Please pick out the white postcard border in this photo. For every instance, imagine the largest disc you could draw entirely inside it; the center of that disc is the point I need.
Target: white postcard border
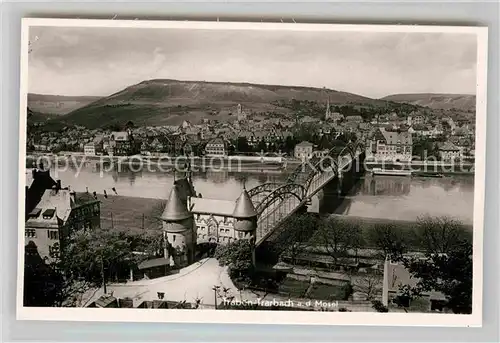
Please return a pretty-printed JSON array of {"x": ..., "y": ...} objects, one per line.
[{"x": 265, "y": 317}]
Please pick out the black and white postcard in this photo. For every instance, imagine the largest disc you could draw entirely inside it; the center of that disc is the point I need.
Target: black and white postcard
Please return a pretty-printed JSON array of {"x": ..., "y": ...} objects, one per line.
[{"x": 223, "y": 172}]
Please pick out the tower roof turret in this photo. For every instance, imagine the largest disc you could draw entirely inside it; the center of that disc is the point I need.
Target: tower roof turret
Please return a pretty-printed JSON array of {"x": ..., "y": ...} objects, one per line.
[
  {"x": 175, "y": 208},
  {"x": 244, "y": 207}
]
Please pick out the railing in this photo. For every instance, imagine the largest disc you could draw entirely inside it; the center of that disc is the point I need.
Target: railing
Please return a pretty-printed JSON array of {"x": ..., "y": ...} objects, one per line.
[{"x": 276, "y": 202}]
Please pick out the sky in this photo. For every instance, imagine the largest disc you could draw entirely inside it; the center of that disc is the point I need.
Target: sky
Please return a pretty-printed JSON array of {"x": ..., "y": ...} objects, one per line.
[{"x": 102, "y": 61}]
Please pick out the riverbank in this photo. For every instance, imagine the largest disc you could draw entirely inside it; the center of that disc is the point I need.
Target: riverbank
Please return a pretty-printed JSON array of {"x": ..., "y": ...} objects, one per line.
[
  {"x": 137, "y": 215},
  {"x": 130, "y": 214},
  {"x": 164, "y": 164}
]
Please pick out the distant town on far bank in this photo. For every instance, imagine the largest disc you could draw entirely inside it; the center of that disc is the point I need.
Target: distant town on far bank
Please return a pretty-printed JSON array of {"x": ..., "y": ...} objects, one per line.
[{"x": 171, "y": 117}]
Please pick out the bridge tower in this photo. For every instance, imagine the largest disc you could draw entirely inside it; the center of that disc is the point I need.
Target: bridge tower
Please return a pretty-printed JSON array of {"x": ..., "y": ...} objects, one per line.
[
  {"x": 179, "y": 229},
  {"x": 246, "y": 219}
]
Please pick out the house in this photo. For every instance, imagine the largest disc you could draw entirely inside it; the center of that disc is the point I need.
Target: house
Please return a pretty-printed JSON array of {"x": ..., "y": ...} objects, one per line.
[
  {"x": 120, "y": 143},
  {"x": 449, "y": 151},
  {"x": 58, "y": 213},
  {"x": 397, "y": 276},
  {"x": 216, "y": 147},
  {"x": 354, "y": 119},
  {"x": 303, "y": 150},
  {"x": 89, "y": 149},
  {"x": 390, "y": 145},
  {"x": 37, "y": 182}
]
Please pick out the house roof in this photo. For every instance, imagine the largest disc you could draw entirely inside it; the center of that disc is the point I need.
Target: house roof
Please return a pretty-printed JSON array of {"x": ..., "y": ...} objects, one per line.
[
  {"x": 54, "y": 205},
  {"x": 244, "y": 207},
  {"x": 175, "y": 209},
  {"x": 120, "y": 135},
  {"x": 217, "y": 140},
  {"x": 105, "y": 301},
  {"x": 157, "y": 262},
  {"x": 305, "y": 144},
  {"x": 395, "y": 137},
  {"x": 212, "y": 206},
  {"x": 357, "y": 117},
  {"x": 448, "y": 146}
]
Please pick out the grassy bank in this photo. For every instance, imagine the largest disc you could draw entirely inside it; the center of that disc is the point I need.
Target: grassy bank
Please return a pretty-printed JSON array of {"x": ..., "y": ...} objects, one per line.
[{"x": 131, "y": 214}]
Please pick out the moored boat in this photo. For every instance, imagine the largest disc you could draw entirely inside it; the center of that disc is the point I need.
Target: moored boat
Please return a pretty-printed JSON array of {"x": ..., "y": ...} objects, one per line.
[
  {"x": 427, "y": 174},
  {"x": 391, "y": 172}
]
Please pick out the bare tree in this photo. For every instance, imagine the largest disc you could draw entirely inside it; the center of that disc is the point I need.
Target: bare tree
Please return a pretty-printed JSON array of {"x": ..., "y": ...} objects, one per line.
[
  {"x": 338, "y": 237},
  {"x": 439, "y": 235},
  {"x": 299, "y": 230},
  {"x": 369, "y": 285},
  {"x": 389, "y": 239}
]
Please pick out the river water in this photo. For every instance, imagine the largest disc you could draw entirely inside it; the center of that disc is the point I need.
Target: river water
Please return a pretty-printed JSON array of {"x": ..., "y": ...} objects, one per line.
[{"x": 404, "y": 198}]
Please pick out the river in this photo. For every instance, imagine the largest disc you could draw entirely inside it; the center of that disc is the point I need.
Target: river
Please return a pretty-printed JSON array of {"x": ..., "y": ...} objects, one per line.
[{"x": 404, "y": 198}]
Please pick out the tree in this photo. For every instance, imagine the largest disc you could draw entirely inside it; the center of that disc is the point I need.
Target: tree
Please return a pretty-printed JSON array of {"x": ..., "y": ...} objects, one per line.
[
  {"x": 449, "y": 273},
  {"x": 438, "y": 235},
  {"x": 379, "y": 307},
  {"x": 86, "y": 260},
  {"x": 299, "y": 230},
  {"x": 389, "y": 239},
  {"x": 41, "y": 283},
  {"x": 368, "y": 285},
  {"x": 262, "y": 146},
  {"x": 338, "y": 237},
  {"x": 237, "y": 256},
  {"x": 242, "y": 145}
]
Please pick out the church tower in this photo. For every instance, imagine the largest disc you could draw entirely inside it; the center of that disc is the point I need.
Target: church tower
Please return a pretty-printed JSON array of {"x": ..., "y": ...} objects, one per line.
[
  {"x": 179, "y": 227},
  {"x": 328, "y": 114},
  {"x": 241, "y": 115}
]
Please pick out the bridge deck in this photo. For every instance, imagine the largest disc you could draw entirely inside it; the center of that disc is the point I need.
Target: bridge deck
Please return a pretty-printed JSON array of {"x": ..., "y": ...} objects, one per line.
[{"x": 276, "y": 207}]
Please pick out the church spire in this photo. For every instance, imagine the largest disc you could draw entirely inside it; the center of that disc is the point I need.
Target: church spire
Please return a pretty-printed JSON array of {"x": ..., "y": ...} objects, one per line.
[{"x": 327, "y": 113}]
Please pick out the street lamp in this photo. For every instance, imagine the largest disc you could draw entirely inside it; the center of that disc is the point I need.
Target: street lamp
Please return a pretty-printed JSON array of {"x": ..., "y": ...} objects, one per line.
[{"x": 216, "y": 290}]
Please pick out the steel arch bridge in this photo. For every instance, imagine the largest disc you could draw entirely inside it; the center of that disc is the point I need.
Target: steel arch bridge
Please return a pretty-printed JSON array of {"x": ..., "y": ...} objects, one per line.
[{"x": 276, "y": 202}]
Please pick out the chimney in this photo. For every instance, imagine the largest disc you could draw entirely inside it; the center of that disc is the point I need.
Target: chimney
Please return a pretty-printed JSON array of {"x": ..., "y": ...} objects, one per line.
[
  {"x": 72, "y": 195},
  {"x": 58, "y": 184}
]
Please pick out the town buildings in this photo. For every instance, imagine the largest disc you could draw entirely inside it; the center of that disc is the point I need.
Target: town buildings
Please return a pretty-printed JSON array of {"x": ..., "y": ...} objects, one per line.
[
  {"x": 303, "y": 150},
  {"x": 391, "y": 145},
  {"x": 216, "y": 147},
  {"x": 59, "y": 213},
  {"x": 120, "y": 143},
  {"x": 449, "y": 152},
  {"x": 89, "y": 149}
]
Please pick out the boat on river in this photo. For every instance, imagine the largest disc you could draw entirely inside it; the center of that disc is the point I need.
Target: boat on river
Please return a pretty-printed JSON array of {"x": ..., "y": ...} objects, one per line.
[
  {"x": 391, "y": 172},
  {"x": 427, "y": 174}
]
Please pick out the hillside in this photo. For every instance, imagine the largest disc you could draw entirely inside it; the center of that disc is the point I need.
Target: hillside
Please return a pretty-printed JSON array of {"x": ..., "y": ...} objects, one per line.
[
  {"x": 37, "y": 117},
  {"x": 464, "y": 102},
  {"x": 169, "y": 102},
  {"x": 58, "y": 104}
]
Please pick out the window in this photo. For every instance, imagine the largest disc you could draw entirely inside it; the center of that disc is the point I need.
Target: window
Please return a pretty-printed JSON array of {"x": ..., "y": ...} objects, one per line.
[
  {"x": 173, "y": 238},
  {"x": 53, "y": 234},
  {"x": 35, "y": 213},
  {"x": 49, "y": 213},
  {"x": 30, "y": 233},
  {"x": 227, "y": 230},
  {"x": 240, "y": 234}
]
